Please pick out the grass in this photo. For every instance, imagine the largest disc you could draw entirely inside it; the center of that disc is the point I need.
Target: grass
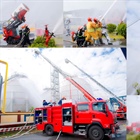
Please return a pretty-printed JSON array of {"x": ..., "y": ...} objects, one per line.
[
  {"x": 0, "y": 36},
  {"x": 133, "y": 137},
  {"x": 117, "y": 37}
]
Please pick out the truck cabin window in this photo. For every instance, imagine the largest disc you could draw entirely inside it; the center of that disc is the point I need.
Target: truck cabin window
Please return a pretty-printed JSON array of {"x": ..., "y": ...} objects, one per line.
[
  {"x": 83, "y": 107},
  {"x": 99, "y": 106}
]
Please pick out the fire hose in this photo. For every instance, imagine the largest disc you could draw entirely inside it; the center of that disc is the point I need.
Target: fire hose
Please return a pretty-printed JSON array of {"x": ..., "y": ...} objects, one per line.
[{"x": 17, "y": 134}]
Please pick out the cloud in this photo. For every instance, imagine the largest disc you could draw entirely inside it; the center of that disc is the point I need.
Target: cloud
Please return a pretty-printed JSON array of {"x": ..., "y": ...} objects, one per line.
[
  {"x": 133, "y": 103},
  {"x": 133, "y": 45},
  {"x": 109, "y": 69}
]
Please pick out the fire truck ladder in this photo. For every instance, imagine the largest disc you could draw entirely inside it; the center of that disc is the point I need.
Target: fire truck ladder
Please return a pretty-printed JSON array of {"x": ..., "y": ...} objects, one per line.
[
  {"x": 69, "y": 78},
  {"x": 68, "y": 61}
]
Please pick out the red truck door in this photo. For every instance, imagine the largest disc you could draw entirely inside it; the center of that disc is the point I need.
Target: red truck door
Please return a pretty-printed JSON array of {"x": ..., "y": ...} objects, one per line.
[
  {"x": 101, "y": 115},
  {"x": 83, "y": 114},
  {"x": 67, "y": 118}
]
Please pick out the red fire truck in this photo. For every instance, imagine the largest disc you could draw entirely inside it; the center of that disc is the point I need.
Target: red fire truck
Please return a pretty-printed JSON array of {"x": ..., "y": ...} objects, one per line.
[
  {"x": 121, "y": 108},
  {"x": 10, "y": 27},
  {"x": 94, "y": 118}
]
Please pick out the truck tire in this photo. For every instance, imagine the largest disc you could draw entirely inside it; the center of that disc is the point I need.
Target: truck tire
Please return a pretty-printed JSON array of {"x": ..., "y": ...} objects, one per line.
[
  {"x": 49, "y": 130},
  {"x": 95, "y": 133}
]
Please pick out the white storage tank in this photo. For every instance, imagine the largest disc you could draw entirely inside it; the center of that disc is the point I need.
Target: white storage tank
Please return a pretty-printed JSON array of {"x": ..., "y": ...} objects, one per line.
[{"x": 21, "y": 95}]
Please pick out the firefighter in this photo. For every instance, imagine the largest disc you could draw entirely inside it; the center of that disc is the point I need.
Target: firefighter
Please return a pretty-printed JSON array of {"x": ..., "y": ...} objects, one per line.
[
  {"x": 99, "y": 30},
  {"x": 26, "y": 33},
  {"x": 60, "y": 101},
  {"x": 21, "y": 32},
  {"x": 79, "y": 36},
  {"x": 46, "y": 34},
  {"x": 67, "y": 27},
  {"x": 91, "y": 32},
  {"x": 47, "y": 103}
]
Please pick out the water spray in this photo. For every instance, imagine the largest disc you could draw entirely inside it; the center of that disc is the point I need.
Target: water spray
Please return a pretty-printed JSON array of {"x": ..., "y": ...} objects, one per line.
[{"x": 108, "y": 10}]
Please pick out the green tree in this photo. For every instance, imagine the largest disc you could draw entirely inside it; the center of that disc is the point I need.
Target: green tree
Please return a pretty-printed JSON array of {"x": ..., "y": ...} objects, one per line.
[
  {"x": 121, "y": 29},
  {"x": 31, "y": 109},
  {"x": 39, "y": 42},
  {"x": 111, "y": 27},
  {"x": 137, "y": 88}
]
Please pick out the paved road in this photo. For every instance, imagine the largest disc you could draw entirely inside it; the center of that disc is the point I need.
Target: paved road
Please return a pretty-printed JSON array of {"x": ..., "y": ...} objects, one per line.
[
  {"x": 41, "y": 136},
  {"x": 69, "y": 44}
]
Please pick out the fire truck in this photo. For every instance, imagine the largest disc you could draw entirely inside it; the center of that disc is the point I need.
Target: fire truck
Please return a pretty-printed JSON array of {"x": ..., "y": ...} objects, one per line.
[
  {"x": 94, "y": 118},
  {"x": 117, "y": 102},
  {"x": 10, "y": 27}
]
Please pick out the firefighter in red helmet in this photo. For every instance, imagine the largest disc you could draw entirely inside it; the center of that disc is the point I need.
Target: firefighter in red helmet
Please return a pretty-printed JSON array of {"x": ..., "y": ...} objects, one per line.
[
  {"x": 99, "y": 30},
  {"x": 90, "y": 32},
  {"x": 46, "y": 34},
  {"x": 79, "y": 36},
  {"x": 26, "y": 33}
]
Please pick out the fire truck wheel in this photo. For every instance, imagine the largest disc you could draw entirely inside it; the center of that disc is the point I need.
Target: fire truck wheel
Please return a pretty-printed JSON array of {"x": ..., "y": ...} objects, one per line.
[
  {"x": 49, "y": 130},
  {"x": 95, "y": 133}
]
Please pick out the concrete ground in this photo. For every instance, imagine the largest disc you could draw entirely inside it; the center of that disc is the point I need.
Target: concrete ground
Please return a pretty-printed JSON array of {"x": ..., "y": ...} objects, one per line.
[{"x": 41, "y": 136}]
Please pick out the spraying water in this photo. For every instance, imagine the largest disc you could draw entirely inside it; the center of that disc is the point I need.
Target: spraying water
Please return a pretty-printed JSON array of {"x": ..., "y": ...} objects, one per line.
[
  {"x": 33, "y": 93},
  {"x": 21, "y": 95},
  {"x": 108, "y": 10},
  {"x": 58, "y": 24}
]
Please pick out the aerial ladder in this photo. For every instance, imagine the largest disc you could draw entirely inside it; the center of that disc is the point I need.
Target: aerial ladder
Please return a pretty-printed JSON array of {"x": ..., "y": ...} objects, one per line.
[
  {"x": 69, "y": 78},
  {"x": 121, "y": 111}
]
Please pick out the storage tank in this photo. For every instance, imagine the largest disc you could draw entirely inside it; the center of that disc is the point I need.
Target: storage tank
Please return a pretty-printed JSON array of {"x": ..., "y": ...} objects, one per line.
[{"x": 21, "y": 95}]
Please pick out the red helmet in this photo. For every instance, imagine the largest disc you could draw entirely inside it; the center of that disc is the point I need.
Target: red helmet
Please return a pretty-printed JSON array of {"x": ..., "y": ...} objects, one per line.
[
  {"x": 89, "y": 19},
  {"x": 95, "y": 19}
]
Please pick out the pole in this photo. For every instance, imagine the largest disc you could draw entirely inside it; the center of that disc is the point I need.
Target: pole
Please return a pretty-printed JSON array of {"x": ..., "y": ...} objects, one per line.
[
  {"x": 5, "y": 86},
  {"x": 1, "y": 80}
]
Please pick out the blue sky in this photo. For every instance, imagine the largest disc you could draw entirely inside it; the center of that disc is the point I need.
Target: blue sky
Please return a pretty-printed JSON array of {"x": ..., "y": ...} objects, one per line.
[{"x": 105, "y": 67}]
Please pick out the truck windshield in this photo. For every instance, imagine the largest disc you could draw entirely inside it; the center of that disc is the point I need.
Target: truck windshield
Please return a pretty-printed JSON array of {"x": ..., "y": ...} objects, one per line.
[{"x": 110, "y": 107}]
